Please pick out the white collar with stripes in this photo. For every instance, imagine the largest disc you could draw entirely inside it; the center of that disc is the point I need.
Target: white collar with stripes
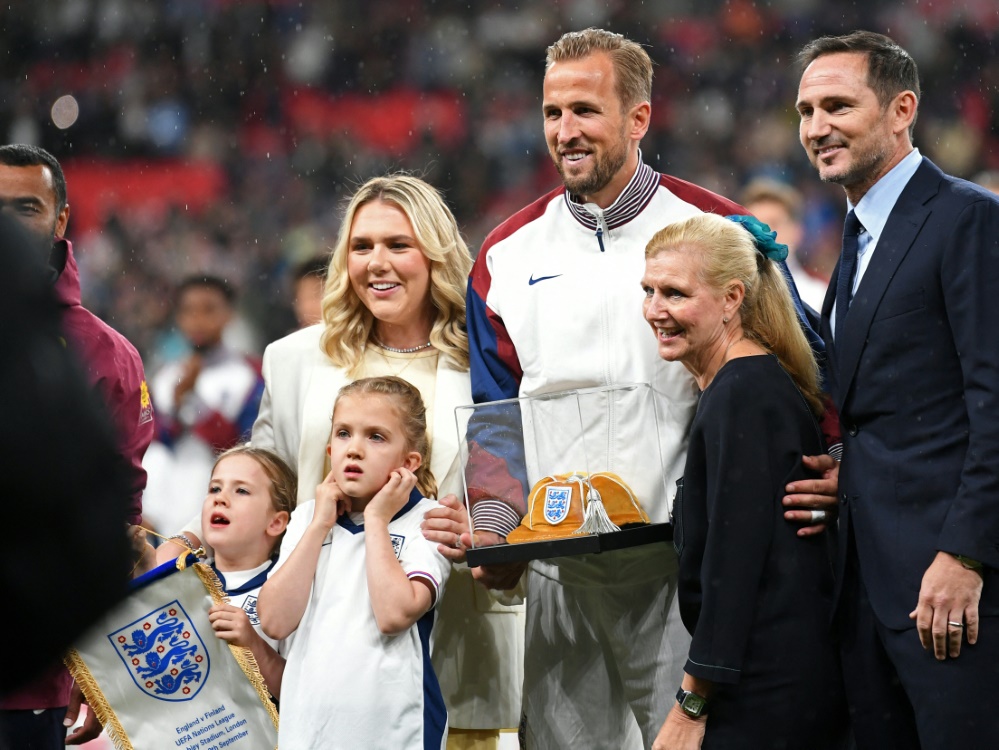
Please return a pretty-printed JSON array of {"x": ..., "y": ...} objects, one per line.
[{"x": 629, "y": 204}]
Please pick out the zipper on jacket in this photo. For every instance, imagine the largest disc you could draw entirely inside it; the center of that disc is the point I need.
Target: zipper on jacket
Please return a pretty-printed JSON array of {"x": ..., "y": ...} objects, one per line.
[{"x": 598, "y": 213}]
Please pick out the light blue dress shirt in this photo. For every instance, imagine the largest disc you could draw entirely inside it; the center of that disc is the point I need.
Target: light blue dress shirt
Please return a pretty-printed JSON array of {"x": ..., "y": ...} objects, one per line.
[{"x": 873, "y": 211}]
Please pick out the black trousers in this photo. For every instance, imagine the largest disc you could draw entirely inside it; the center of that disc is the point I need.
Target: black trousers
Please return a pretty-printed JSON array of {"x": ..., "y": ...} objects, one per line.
[
  {"x": 27, "y": 730},
  {"x": 900, "y": 696}
]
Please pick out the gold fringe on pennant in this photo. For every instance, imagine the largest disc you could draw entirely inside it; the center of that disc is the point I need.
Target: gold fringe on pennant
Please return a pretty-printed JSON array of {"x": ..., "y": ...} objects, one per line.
[
  {"x": 244, "y": 657},
  {"x": 96, "y": 701},
  {"x": 181, "y": 561},
  {"x": 211, "y": 582}
]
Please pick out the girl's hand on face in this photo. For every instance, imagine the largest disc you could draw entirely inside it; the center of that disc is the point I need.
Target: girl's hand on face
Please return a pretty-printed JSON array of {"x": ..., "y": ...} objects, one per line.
[
  {"x": 391, "y": 497},
  {"x": 231, "y": 624},
  {"x": 331, "y": 502}
]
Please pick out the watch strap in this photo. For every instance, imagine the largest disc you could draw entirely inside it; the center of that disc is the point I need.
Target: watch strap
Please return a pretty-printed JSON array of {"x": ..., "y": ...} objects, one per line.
[{"x": 969, "y": 563}]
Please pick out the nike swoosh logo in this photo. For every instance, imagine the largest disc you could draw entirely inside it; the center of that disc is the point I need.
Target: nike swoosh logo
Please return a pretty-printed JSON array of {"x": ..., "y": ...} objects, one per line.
[{"x": 532, "y": 281}]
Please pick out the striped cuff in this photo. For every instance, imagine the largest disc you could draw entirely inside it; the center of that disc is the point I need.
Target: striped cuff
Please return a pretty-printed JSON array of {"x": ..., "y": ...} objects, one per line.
[
  {"x": 435, "y": 587},
  {"x": 495, "y": 516}
]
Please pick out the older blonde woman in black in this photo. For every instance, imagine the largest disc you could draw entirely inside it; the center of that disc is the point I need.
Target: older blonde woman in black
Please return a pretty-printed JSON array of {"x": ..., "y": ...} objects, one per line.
[{"x": 762, "y": 671}]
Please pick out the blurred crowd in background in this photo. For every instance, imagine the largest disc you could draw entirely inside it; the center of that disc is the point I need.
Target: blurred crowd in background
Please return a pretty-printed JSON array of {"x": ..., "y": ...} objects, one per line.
[{"x": 221, "y": 136}]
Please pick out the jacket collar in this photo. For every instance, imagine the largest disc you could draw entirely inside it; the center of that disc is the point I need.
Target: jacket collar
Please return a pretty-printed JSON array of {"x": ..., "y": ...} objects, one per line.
[
  {"x": 874, "y": 209},
  {"x": 633, "y": 199},
  {"x": 67, "y": 286}
]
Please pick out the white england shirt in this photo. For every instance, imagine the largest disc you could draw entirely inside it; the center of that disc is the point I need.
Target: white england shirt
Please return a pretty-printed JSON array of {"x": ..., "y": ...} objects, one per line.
[
  {"x": 345, "y": 684},
  {"x": 243, "y": 587}
]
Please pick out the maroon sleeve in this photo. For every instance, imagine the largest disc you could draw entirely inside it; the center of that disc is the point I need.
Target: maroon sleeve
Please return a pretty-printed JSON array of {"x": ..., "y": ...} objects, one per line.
[{"x": 127, "y": 398}]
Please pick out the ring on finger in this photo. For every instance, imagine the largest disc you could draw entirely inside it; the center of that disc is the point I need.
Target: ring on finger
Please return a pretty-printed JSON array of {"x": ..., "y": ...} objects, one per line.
[
  {"x": 819, "y": 516},
  {"x": 953, "y": 624}
]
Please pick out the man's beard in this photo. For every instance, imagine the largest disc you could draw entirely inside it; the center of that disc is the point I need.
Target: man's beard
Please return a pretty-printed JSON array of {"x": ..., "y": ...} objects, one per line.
[{"x": 603, "y": 172}]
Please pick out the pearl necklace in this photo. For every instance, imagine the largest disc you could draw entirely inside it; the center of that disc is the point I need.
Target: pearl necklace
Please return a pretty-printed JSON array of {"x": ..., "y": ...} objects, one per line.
[{"x": 410, "y": 350}]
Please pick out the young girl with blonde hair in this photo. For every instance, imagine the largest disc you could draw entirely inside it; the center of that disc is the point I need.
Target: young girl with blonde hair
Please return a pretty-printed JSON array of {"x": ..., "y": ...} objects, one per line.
[
  {"x": 357, "y": 583},
  {"x": 244, "y": 516}
]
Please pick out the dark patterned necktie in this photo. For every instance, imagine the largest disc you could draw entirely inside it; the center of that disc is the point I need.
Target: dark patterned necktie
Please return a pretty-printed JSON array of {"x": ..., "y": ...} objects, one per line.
[{"x": 847, "y": 268}]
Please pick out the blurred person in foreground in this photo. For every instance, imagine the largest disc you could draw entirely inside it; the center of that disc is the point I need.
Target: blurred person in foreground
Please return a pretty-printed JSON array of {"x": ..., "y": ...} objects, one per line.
[
  {"x": 554, "y": 303},
  {"x": 779, "y": 206},
  {"x": 910, "y": 323},
  {"x": 33, "y": 191},
  {"x": 65, "y": 505},
  {"x": 206, "y": 402},
  {"x": 762, "y": 669},
  {"x": 394, "y": 305}
]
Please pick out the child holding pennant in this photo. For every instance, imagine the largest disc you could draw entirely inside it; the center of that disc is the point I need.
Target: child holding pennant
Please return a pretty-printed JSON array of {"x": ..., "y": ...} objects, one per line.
[{"x": 150, "y": 669}]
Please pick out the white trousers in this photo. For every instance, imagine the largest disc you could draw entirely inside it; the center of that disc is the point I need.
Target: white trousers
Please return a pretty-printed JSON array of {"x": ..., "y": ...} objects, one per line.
[{"x": 602, "y": 661}]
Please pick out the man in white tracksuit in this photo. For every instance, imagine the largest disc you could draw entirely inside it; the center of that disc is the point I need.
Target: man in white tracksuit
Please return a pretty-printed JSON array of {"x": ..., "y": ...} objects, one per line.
[{"x": 554, "y": 303}]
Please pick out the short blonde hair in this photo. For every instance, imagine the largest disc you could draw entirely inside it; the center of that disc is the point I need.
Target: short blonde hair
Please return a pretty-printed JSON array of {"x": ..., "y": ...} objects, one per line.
[
  {"x": 728, "y": 253},
  {"x": 632, "y": 64},
  {"x": 349, "y": 323},
  {"x": 412, "y": 414}
]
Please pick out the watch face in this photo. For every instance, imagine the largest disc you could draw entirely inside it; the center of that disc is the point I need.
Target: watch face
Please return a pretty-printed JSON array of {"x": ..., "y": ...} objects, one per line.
[{"x": 693, "y": 704}]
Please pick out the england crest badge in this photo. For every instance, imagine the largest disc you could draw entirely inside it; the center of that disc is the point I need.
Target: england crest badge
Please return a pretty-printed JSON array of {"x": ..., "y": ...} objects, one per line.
[
  {"x": 557, "y": 501},
  {"x": 250, "y": 607},
  {"x": 163, "y": 653},
  {"x": 397, "y": 541}
]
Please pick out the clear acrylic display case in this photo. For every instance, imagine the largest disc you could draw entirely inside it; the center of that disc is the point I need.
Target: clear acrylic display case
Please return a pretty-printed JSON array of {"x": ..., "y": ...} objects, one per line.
[{"x": 508, "y": 446}]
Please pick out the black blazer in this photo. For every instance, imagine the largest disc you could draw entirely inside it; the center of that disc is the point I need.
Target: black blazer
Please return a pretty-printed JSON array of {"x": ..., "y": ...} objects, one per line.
[{"x": 915, "y": 375}]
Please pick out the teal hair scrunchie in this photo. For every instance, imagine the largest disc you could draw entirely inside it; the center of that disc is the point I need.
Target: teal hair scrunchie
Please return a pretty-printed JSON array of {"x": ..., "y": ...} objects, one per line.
[{"x": 764, "y": 237}]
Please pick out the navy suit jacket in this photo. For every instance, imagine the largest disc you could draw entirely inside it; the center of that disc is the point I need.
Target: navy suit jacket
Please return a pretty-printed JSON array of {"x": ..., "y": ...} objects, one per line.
[{"x": 914, "y": 373}]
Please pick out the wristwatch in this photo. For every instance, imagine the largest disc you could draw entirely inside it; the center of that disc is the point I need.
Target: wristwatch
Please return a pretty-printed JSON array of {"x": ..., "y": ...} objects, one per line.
[
  {"x": 693, "y": 705},
  {"x": 968, "y": 563}
]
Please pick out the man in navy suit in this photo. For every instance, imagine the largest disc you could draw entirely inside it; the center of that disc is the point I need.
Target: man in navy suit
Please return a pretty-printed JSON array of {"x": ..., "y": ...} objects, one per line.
[{"x": 911, "y": 322}]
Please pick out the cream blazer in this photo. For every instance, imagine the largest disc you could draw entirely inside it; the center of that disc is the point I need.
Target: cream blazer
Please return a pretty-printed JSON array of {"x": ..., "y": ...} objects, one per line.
[
  {"x": 479, "y": 658},
  {"x": 295, "y": 414}
]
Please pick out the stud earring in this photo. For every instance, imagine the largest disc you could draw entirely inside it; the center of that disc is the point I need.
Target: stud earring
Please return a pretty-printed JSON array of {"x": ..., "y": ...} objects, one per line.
[{"x": 724, "y": 320}]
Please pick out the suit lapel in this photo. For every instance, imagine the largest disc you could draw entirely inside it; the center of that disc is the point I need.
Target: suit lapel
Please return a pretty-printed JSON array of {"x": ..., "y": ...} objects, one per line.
[
  {"x": 317, "y": 413},
  {"x": 904, "y": 223},
  {"x": 825, "y": 331}
]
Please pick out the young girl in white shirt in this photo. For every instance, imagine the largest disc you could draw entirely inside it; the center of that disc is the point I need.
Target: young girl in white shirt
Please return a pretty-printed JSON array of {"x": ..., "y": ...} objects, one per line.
[
  {"x": 250, "y": 498},
  {"x": 356, "y": 583}
]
